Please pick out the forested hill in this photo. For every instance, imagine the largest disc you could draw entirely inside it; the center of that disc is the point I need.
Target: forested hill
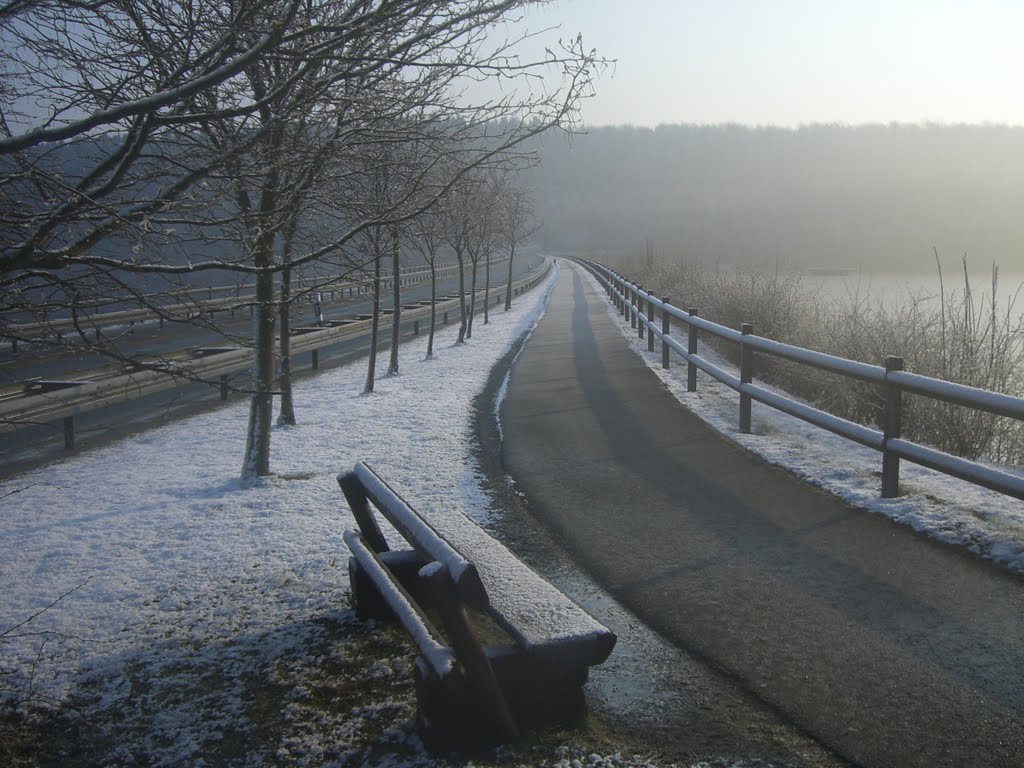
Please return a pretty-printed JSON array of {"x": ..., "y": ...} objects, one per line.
[{"x": 875, "y": 197}]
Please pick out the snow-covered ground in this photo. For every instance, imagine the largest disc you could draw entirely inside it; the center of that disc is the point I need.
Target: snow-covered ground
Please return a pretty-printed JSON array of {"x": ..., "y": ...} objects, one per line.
[
  {"x": 951, "y": 510},
  {"x": 145, "y": 584},
  {"x": 164, "y": 566}
]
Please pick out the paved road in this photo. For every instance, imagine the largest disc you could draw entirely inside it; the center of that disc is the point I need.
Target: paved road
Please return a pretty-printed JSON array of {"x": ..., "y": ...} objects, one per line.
[
  {"x": 37, "y": 444},
  {"x": 887, "y": 647},
  {"x": 149, "y": 339}
]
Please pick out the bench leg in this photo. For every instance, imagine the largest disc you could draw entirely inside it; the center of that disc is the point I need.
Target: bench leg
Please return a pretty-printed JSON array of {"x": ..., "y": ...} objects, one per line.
[{"x": 479, "y": 674}]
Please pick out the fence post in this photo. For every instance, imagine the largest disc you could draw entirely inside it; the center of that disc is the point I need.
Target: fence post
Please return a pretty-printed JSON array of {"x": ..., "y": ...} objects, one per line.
[
  {"x": 630, "y": 306},
  {"x": 746, "y": 376},
  {"x": 691, "y": 349},
  {"x": 650, "y": 319},
  {"x": 224, "y": 387},
  {"x": 316, "y": 359},
  {"x": 415, "y": 327},
  {"x": 639, "y": 312},
  {"x": 893, "y": 429},
  {"x": 664, "y": 332},
  {"x": 69, "y": 433}
]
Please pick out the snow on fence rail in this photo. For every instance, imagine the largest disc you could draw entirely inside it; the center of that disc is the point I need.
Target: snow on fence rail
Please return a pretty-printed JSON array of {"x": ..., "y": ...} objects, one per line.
[
  {"x": 42, "y": 402},
  {"x": 641, "y": 308}
]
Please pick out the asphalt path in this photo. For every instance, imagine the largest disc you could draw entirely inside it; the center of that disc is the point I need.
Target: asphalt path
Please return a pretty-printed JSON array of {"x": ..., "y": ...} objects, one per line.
[{"x": 889, "y": 648}]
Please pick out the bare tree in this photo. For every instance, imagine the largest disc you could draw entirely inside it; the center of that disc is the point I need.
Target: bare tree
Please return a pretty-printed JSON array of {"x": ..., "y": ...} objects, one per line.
[
  {"x": 517, "y": 225},
  {"x": 484, "y": 234},
  {"x": 427, "y": 238},
  {"x": 148, "y": 150}
]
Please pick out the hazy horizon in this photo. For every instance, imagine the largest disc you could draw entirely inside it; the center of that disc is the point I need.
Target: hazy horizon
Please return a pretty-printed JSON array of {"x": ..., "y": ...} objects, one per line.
[
  {"x": 879, "y": 198},
  {"x": 797, "y": 62}
]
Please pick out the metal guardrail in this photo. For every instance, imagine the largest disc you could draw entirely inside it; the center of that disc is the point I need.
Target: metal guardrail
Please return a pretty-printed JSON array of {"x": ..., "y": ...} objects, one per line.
[
  {"x": 641, "y": 309},
  {"x": 51, "y": 401},
  {"x": 16, "y": 332}
]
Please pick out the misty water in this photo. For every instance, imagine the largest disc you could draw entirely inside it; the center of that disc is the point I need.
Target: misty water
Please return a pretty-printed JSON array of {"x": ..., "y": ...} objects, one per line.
[
  {"x": 897, "y": 289},
  {"x": 893, "y": 290}
]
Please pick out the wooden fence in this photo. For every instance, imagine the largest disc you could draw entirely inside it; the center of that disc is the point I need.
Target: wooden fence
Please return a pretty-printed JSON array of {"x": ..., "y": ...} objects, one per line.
[{"x": 643, "y": 309}]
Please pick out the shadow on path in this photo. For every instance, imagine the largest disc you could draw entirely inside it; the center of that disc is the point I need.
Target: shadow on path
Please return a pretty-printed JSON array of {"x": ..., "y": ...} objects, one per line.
[{"x": 890, "y": 648}]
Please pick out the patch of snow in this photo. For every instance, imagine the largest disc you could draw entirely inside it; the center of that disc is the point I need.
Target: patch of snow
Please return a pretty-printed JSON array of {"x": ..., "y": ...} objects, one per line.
[
  {"x": 499, "y": 398},
  {"x": 161, "y": 549}
]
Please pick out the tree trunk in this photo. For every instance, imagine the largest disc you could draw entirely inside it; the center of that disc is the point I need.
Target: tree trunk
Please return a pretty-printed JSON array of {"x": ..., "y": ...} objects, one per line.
[
  {"x": 396, "y": 297},
  {"x": 472, "y": 300},
  {"x": 261, "y": 405},
  {"x": 433, "y": 310},
  {"x": 462, "y": 299},
  {"x": 371, "y": 363},
  {"x": 286, "y": 416},
  {"x": 508, "y": 285},
  {"x": 487, "y": 289}
]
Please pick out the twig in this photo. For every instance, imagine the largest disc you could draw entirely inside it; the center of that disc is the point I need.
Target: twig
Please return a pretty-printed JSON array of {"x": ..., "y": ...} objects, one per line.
[{"x": 43, "y": 610}]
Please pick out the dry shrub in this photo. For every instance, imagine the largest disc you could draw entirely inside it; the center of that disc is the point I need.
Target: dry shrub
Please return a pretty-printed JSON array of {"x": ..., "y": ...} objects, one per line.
[{"x": 962, "y": 335}]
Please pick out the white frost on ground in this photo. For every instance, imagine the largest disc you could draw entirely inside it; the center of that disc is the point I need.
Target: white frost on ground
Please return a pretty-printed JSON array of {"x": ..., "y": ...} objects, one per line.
[
  {"x": 950, "y": 510},
  {"x": 161, "y": 550}
]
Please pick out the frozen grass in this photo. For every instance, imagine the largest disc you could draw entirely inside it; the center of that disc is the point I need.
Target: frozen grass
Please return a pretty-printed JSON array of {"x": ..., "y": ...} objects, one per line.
[
  {"x": 959, "y": 334},
  {"x": 193, "y": 604}
]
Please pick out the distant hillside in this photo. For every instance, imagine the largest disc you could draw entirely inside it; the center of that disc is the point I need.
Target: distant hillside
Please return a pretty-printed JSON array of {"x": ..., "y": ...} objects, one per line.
[{"x": 823, "y": 196}]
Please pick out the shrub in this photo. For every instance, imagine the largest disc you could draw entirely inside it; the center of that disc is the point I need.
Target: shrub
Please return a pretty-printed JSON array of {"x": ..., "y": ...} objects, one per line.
[{"x": 962, "y": 335}]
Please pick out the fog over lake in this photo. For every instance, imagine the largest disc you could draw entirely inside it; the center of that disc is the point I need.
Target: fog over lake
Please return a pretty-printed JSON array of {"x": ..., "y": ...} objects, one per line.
[{"x": 874, "y": 198}]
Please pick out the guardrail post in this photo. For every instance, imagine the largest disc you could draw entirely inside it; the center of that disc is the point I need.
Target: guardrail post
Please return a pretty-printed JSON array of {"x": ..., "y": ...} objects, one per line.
[
  {"x": 691, "y": 349},
  {"x": 893, "y": 428},
  {"x": 69, "y": 433},
  {"x": 746, "y": 376},
  {"x": 665, "y": 328},
  {"x": 415, "y": 327},
  {"x": 631, "y": 306},
  {"x": 639, "y": 312},
  {"x": 224, "y": 387},
  {"x": 316, "y": 359},
  {"x": 650, "y": 319},
  {"x": 444, "y": 319}
]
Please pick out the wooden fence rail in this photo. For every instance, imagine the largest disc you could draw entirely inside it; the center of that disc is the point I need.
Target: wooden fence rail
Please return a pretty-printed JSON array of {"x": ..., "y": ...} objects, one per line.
[{"x": 640, "y": 308}]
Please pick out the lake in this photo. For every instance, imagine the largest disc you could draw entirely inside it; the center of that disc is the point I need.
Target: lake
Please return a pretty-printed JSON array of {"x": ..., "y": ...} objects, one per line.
[{"x": 897, "y": 288}]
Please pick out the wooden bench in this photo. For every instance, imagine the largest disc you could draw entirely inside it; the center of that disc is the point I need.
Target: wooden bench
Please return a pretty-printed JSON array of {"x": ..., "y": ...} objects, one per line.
[{"x": 510, "y": 650}]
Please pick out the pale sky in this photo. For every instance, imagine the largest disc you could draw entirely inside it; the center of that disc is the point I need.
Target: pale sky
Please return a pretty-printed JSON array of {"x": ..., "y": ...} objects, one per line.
[{"x": 790, "y": 62}]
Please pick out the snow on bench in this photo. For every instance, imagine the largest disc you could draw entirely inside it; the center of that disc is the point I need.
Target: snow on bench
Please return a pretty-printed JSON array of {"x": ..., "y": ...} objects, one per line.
[{"x": 455, "y": 569}]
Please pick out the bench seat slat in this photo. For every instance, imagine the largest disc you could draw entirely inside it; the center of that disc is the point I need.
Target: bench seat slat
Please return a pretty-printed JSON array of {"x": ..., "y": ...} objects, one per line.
[
  {"x": 437, "y": 655},
  {"x": 537, "y": 615}
]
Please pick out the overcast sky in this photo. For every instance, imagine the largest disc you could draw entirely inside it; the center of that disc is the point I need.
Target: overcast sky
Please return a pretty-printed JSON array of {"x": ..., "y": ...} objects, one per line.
[{"x": 790, "y": 62}]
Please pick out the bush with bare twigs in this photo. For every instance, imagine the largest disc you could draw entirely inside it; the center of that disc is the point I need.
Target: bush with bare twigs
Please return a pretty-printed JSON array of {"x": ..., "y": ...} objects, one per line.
[{"x": 962, "y": 335}]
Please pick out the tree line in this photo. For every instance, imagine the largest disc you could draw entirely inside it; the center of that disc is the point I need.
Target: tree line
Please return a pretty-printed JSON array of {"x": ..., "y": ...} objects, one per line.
[
  {"x": 872, "y": 196},
  {"x": 149, "y": 147}
]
